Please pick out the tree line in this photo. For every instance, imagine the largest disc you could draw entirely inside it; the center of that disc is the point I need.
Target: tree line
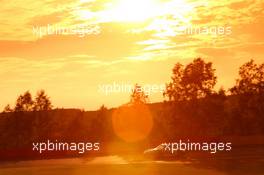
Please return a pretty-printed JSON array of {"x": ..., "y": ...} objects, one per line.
[
  {"x": 25, "y": 102},
  {"x": 197, "y": 80},
  {"x": 194, "y": 81}
]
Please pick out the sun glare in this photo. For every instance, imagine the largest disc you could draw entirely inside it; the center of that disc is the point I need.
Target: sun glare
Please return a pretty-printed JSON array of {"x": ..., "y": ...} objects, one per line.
[
  {"x": 134, "y": 10},
  {"x": 137, "y": 11}
]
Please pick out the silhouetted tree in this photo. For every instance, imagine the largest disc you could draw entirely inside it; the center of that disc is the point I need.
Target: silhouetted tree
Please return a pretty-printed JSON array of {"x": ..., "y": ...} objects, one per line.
[
  {"x": 222, "y": 92},
  {"x": 138, "y": 96},
  {"x": 7, "y": 108},
  {"x": 24, "y": 102},
  {"x": 251, "y": 79},
  {"x": 103, "y": 108},
  {"x": 42, "y": 101},
  {"x": 174, "y": 90},
  {"x": 196, "y": 80}
]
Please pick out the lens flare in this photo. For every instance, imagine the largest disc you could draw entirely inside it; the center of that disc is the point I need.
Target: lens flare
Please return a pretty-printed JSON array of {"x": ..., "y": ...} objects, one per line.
[{"x": 132, "y": 123}]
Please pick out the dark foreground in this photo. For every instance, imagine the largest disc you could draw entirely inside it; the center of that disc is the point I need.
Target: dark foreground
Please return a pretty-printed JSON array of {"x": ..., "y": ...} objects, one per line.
[{"x": 242, "y": 162}]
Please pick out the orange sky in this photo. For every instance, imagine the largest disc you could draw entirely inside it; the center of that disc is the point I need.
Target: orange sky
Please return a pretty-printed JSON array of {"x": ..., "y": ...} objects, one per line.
[{"x": 136, "y": 41}]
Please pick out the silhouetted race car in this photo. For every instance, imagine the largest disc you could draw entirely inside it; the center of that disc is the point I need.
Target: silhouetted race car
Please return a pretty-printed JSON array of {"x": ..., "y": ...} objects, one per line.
[{"x": 162, "y": 153}]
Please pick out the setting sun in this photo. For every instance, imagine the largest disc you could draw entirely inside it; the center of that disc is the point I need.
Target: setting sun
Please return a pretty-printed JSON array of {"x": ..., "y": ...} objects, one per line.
[{"x": 134, "y": 10}]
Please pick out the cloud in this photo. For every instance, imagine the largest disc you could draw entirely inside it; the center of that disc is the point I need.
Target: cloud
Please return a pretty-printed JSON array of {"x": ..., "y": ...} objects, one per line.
[
  {"x": 112, "y": 43},
  {"x": 43, "y": 20},
  {"x": 216, "y": 52}
]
